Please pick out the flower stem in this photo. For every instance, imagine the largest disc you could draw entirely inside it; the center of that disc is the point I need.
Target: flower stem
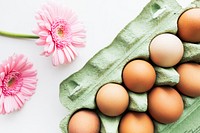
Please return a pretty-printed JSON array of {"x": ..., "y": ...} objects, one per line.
[{"x": 16, "y": 35}]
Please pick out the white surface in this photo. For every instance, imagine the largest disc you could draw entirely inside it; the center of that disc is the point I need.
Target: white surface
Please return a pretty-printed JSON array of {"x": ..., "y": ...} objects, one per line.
[{"x": 103, "y": 20}]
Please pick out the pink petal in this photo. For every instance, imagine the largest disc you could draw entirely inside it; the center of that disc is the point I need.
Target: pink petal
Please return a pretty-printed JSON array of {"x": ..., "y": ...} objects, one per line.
[
  {"x": 72, "y": 19},
  {"x": 67, "y": 55},
  {"x": 79, "y": 34},
  {"x": 29, "y": 73},
  {"x": 20, "y": 64},
  {"x": 73, "y": 50},
  {"x": 78, "y": 42},
  {"x": 8, "y": 104},
  {"x": 78, "y": 28},
  {"x": 51, "y": 48},
  {"x": 48, "y": 18},
  {"x": 55, "y": 60},
  {"x": 48, "y": 26},
  {"x": 21, "y": 98},
  {"x": 70, "y": 53},
  {"x": 46, "y": 47},
  {"x": 29, "y": 86},
  {"x": 27, "y": 67},
  {"x": 43, "y": 33},
  {"x": 40, "y": 41},
  {"x": 2, "y": 75},
  {"x": 37, "y": 17},
  {"x": 36, "y": 31},
  {"x": 49, "y": 39},
  {"x": 61, "y": 56},
  {"x": 1, "y": 103},
  {"x": 18, "y": 101},
  {"x": 27, "y": 92},
  {"x": 41, "y": 24},
  {"x": 30, "y": 80},
  {"x": 14, "y": 104}
]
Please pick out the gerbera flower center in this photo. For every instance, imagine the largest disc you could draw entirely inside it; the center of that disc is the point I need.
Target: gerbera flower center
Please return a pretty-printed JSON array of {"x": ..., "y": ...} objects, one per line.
[
  {"x": 12, "y": 83},
  {"x": 60, "y": 33}
]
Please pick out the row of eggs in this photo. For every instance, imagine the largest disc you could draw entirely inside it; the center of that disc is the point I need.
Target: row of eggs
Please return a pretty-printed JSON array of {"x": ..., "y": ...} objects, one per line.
[{"x": 165, "y": 104}]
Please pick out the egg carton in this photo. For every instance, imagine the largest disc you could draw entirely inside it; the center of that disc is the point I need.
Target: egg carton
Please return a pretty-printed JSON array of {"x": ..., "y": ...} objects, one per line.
[{"x": 78, "y": 91}]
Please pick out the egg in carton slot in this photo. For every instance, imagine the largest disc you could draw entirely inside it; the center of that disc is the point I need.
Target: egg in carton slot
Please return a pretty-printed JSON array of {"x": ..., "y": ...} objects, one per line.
[{"x": 79, "y": 90}]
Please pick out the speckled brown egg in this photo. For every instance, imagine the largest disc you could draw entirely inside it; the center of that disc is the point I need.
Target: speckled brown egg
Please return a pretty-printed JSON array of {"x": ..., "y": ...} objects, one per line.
[
  {"x": 189, "y": 83},
  {"x": 165, "y": 104},
  {"x": 139, "y": 76},
  {"x": 84, "y": 121},
  {"x": 135, "y": 122},
  {"x": 189, "y": 25}
]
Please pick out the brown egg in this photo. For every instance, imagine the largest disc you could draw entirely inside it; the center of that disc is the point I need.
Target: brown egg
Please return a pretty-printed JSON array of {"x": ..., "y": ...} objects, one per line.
[
  {"x": 189, "y": 25},
  {"x": 166, "y": 50},
  {"x": 84, "y": 121},
  {"x": 189, "y": 83},
  {"x": 135, "y": 122},
  {"x": 165, "y": 104},
  {"x": 139, "y": 76},
  {"x": 112, "y": 99}
]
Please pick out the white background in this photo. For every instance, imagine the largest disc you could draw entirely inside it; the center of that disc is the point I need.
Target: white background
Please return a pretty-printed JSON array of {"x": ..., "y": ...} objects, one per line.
[{"x": 103, "y": 20}]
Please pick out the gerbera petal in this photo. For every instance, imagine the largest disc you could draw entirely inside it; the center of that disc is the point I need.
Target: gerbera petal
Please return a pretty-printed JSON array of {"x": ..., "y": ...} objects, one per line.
[
  {"x": 48, "y": 26},
  {"x": 49, "y": 39},
  {"x": 40, "y": 41},
  {"x": 1, "y": 103},
  {"x": 36, "y": 30},
  {"x": 18, "y": 101},
  {"x": 78, "y": 42},
  {"x": 27, "y": 92},
  {"x": 79, "y": 34},
  {"x": 55, "y": 60},
  {"x": 73, "y": 50},
  {"x": 43, "y": 33},
  {"x": 13, "y": 104},
  {"x": 21, "y": 98},
  {"x": 61, "y": 56},
  {"x": 8, "y": 104},
  {"x": 67, "y": 55},
  {"x": 48, "y": 18},
  {"x": 27, "y": 67},
  {"x": 2, "y": 75},
  {"x": 51, "y": 48},
  {"x": 29, "y": 73},
  {"x": 30, "y": 80},
  {"x": 72, "y": 55},
  {"x": 29, "y": 86},
  {"x": 77, "y": 28},
  {"x": 72, "y": 19},
  {"x": 37, "y": 17},
  {"x": 21, "y": 62}
]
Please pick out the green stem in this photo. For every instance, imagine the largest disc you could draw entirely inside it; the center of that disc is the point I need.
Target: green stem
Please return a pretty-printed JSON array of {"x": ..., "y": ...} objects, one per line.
[{"x": 16, "y": 35}]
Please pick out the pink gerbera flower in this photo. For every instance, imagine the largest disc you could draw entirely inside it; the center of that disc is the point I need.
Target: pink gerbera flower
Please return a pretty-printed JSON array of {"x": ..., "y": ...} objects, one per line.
[
  {"x": 17, "y": 83},
  {"x": 59, "y": 32}
]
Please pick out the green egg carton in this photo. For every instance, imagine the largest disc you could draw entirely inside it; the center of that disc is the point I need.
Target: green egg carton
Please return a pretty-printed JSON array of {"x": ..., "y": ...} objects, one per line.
[{"x": 79, "y": 90}]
